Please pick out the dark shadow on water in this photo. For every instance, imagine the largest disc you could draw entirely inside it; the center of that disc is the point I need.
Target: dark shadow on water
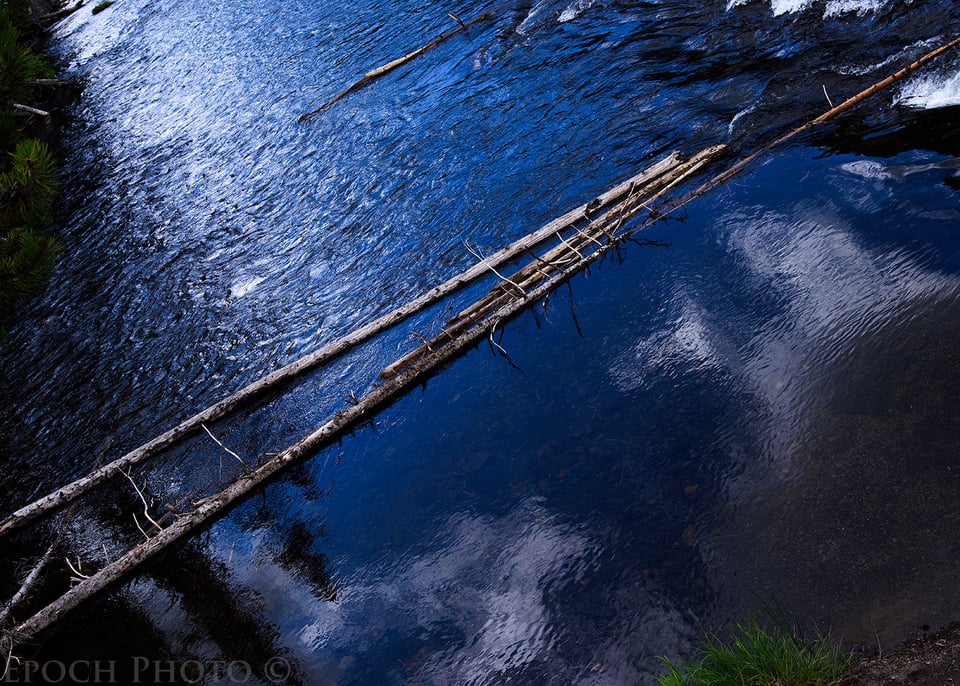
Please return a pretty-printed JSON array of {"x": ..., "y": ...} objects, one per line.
[
  {"x": 937, "y": 130},
  {"x": 859, "y": 540}
]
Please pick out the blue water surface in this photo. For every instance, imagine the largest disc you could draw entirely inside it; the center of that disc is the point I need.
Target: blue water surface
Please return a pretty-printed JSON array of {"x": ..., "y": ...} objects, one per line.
[{"x": 750, "y": 410}]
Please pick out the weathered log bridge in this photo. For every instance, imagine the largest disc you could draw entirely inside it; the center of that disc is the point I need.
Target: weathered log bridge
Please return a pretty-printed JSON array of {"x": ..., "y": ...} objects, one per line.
[{"x": 567, "y": 246}]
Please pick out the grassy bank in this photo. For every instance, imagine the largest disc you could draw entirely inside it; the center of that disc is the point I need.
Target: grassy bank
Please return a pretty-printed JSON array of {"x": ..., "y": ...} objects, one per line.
[
  {"x": 755, "y": 656},
  {"x": 27, "y": 169}
]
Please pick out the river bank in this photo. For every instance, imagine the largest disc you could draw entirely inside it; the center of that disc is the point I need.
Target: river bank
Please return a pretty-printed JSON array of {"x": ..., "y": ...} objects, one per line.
[{"x": 930, "y": 660}]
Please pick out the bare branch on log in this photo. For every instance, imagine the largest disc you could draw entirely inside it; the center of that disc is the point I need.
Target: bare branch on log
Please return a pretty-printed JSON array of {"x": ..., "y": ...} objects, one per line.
[
  {"x": 78, "y": 575},
  {"x": 230, "y": 452},
  {"x": 146, "y": 507},
  {"x": 575, "y": 251},
  {"x": 483, "y": 260}
]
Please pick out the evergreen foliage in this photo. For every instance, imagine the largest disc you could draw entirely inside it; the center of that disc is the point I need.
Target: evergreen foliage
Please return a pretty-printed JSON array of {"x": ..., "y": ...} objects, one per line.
[
  {"x": 27, "y": 171},
  {"x": 26, "y": 259},
  {"x": 27, "y": 188},
  {"x": 18, "y": 63}
]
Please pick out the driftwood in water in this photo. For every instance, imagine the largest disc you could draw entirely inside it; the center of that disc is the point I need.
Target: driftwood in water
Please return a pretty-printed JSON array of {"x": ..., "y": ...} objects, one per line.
[
  {"x": 293, "y": 370},
  {"x": 598, "y": 234},
  {"x": 390, "y": 66},
  {"x": 826, "y": 116},
  {"x": 26, "y": 588},
  {"x": 413, "y": 373},
  {"x": 50, "y": 19}
]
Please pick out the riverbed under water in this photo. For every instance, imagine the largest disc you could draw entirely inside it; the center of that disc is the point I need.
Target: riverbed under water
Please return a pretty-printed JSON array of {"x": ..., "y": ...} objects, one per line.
[{"x": 759, "y": 410}]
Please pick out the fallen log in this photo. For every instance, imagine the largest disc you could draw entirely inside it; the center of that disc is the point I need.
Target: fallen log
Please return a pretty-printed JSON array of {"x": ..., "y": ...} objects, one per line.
[
  {"x": 637, "y": 197},
  {"x": 390, "y": 66},
  {"x": 26, "y": 587},
  {"x": 827, "y": 116},
  {"x": 30, "y": 110},
  {"x": 212, "y": 507},
  {"x": 293, "y": 370}
]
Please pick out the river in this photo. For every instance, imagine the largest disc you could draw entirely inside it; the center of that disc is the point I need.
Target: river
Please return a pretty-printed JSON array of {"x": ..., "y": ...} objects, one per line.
[{"x": 758, "y": 410}]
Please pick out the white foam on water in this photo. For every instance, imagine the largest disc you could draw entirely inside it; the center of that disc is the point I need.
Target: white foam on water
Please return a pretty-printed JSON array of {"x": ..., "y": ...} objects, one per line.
[
  {"x": 834, "y": 8},
  {"x": 789, "y": 6},
  {"x": 738, "y": 116},
  {"x": 531, "y": 18},
  {"x": 931, "y": 92},
  {"x": 778, "y": 6},
  {"x": 866, "y": 169},
  {"x": 574, "y": 10},
  {"x": 240, "y": 289}
]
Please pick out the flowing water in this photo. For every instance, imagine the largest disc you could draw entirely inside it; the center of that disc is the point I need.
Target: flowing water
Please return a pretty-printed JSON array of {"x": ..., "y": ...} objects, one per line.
[{"x": 762, "y": 411}]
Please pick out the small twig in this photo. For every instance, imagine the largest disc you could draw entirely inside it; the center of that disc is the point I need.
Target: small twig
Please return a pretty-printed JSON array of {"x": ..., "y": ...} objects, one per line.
[
  {"x": 137, "y": 522},
  {"x": 10, "y": 658},
  {"x": 230, "y": 452},
  {"x": 78, "y": 575},
  {"x": 587, "y": 236},
  {"x": 579, "y": 254},
  {"x": 829, "y": 101},
  {"x": 146, "y": 507},
  {"x": 493, "y": 341},
  {"x": 426, "y": 343},
  {"x": 483, "y": 260},
  {"x": 456, "y": 19},
  {"x": 503, "y": 352}
]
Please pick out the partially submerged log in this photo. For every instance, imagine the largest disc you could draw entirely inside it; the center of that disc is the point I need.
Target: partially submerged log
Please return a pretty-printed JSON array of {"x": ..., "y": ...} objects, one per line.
[
  {"x": 597, "y": 235},
  {"x": 827, "y": 116},
  {"x": 26, "y": 587},
  {"x": 296, "y": 369},
  {"x": 528, "y": 285},
  {"x": 390, "y": 66},
  {"x": 412, "y": 374}
]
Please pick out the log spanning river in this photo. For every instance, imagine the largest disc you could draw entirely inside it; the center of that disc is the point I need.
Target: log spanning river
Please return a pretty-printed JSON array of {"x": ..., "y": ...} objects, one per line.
[{"x": 757, "y": 406}]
